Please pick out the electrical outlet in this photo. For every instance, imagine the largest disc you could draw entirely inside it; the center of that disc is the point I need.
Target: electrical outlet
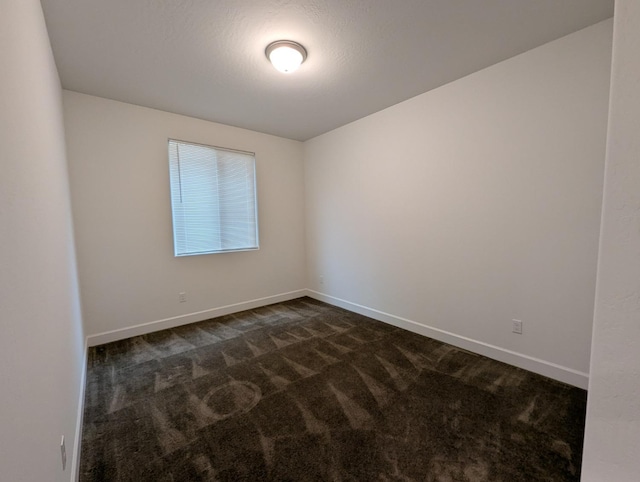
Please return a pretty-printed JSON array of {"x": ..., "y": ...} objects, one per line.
[
  {"x": 321, "y": 280},
  {"x": 63, "y": 453},
  {"x": 517, "y": 326},
  {"x": 182, "y": 297}
]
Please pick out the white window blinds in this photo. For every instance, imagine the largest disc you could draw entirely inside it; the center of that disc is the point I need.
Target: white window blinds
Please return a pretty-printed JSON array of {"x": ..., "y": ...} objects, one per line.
[{"x": 213, "y": 199}]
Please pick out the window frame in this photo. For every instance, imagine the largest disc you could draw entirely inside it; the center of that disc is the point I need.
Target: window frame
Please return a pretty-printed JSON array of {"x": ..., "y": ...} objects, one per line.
[{"x": 173, "y": 211}]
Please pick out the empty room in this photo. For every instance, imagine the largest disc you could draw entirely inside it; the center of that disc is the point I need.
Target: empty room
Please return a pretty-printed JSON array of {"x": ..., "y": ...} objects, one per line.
[{"x": 319, "y": 240}]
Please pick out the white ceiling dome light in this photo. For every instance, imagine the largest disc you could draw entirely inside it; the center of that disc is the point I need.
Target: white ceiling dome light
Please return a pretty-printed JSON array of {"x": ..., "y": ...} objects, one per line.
[{"x": 286, "y": 55}]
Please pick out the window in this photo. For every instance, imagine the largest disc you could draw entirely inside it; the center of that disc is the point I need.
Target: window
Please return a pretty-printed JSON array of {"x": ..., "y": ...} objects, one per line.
[{"x": 213, "y": 199}]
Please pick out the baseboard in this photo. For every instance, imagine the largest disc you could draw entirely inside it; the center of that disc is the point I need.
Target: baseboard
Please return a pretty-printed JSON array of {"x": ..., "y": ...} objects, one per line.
[
  {"x": 150, "y": 327},
  {"x": 77, "y": 444},
  {"x": 536, "y": 365}
]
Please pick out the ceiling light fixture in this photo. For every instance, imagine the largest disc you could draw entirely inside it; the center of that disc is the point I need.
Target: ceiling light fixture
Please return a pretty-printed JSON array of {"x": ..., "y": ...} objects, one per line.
[{"x": 286, "y": 55}]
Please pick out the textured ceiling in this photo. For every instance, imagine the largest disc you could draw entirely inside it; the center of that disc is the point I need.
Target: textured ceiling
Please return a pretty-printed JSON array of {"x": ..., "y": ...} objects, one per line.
[{"x": 205, "y": 58}]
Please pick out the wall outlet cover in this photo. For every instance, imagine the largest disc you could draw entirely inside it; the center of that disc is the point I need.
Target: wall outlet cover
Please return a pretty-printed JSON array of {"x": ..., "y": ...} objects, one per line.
[
  {"x": 63, "y": 453},
  {"x": 517, "y": 326}
]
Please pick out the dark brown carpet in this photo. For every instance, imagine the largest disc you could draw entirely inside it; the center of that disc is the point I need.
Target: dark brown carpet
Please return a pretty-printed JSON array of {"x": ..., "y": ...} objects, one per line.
[{"x": 303, "y": 391}]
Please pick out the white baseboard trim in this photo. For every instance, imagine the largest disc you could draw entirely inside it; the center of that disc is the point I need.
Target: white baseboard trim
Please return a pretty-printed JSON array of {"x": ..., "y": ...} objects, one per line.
[
  {"x": 536, "y": 365},
  {"x": 75, "y": 461},
  {"x": 526, "y": 362},
  {"x": 150, "y": 327}
]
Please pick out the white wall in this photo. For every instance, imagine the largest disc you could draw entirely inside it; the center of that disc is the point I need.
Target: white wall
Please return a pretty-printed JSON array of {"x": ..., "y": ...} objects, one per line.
[
  {"x": 612, "y": 439},
  {"x": 472, "y": 205},
  {"x": 122, "y": 211},
  {"x": 41, "y": 340}
]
